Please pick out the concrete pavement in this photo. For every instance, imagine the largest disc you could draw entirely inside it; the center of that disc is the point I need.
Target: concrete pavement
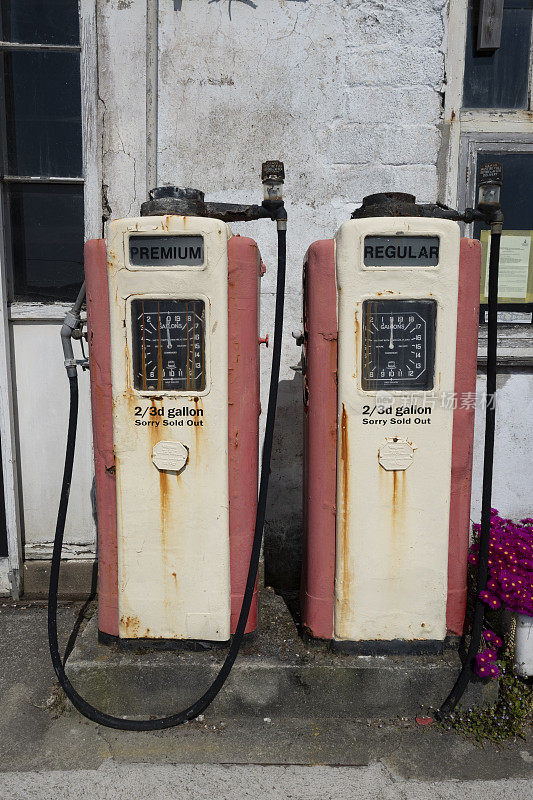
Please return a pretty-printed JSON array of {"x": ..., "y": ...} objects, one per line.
[
  {"x": 213, "y": 782},
  {"x": 48, "y": 750}
]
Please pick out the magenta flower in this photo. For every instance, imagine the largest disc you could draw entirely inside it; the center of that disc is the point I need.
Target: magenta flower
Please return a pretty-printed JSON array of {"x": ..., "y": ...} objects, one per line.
[
  {"x": 510, "y": 563},
  {"x": 490, "y": 655},
  {"x": 490, "y": 599},
  {"x": 492, "y": 638},
  {"x": 482, "y": 667}
]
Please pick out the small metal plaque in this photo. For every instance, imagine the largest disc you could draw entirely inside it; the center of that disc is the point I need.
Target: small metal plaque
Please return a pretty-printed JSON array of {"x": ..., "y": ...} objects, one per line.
[
  {"x": 401, "y": 251},
  {"x": 166, "y": 251},
  {"x": 171, "y": 456},
  {"x": 396, "y": 454}
]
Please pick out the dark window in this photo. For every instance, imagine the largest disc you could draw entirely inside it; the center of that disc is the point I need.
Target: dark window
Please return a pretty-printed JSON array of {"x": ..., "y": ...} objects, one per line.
[
  {"x": 499, "y": 79},
  {"x": 41, "y": 147},
  {"x": 40, "y": 21},
  {"x": 516, "y": 207},
  {"x": 43, "y": 113},
  {"x": 47, "y": 240}
]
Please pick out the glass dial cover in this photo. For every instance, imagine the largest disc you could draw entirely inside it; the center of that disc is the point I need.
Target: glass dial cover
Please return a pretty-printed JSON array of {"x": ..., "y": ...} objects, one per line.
[
  {"x": 398, "y": 349},
  {"x": 168, "y": 345}
]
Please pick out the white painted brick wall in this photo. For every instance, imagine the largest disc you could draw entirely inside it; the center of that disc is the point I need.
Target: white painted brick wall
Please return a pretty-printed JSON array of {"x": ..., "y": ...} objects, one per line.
[{"x": 347, "y": 93}]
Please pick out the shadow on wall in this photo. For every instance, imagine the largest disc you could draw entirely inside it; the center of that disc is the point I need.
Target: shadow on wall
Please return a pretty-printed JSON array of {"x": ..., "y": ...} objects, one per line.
[{"x": 283, "y": 525}]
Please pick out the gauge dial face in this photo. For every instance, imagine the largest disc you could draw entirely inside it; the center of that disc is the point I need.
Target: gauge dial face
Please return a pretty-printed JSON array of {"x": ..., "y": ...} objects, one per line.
[
  {"x": 398, "y": 344},
  {"x": 168, "y": 345}
]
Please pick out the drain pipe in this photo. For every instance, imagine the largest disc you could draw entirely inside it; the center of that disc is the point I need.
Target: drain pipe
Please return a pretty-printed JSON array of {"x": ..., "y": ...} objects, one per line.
[{"x": 152, "y": 61}]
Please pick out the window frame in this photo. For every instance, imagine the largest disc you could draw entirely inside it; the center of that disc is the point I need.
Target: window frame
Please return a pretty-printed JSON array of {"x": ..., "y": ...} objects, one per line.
[
  {"x": 480, "y": 112},
  {"x": 464, "y": 128},
  {"x": 90, "y": 179},
  {"x": 11, "y": 568},
  {"x": 471, "y": 145}
]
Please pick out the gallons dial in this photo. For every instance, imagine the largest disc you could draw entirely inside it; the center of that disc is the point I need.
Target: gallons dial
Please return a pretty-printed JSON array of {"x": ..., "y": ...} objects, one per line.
[
  {"x": 398, "y": 344},
  {"x": 168, "y": 345}
]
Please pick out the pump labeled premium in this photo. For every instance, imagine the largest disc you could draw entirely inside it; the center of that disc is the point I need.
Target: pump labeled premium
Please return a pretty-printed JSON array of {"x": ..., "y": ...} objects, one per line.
[{"x": 172, "y": 325}]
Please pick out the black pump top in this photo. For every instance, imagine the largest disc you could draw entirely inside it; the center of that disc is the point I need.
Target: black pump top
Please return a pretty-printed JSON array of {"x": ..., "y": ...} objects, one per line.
[
  {"x": 174, "y": 200},
  {"x": 389, "y": 204}
]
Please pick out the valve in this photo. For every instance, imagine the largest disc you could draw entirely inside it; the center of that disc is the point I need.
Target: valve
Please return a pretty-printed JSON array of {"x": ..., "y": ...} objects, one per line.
[{"x": 298, "y": 337}]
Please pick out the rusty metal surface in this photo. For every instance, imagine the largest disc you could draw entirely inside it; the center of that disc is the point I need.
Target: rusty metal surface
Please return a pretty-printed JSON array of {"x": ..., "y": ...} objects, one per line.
[
  {"x": 463, "y": 432},
  {"x": 185, "y": 201},
  {"x": 320, "y": 439},
  {"x": 244, "y": 269},
  {"x": 98, "y": 329},
  {"x": 399, "y": 204}
]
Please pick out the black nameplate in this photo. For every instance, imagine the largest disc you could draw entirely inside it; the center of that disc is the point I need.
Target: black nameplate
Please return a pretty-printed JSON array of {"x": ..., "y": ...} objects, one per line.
[{"x": 401, "y": 251}]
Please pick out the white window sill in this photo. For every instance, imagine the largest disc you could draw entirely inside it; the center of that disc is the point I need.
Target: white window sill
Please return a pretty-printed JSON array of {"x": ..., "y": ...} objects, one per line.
[{"x": 515, "y": 345}]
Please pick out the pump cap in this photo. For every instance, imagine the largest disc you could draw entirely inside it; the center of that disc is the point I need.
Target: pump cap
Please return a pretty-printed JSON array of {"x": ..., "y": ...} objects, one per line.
[
  {"x": 273, "y": 172},
  {"x": 174, "y": 200},
  {"x": 179, "y": 192}
]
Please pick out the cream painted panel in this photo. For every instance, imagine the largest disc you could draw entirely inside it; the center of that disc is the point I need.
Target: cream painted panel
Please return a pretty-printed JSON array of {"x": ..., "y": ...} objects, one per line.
[
  {"x": 173, "y": 526},
  {"x": 5, "y": 586},
  {"x": 42, "y": 402},
  {"x": 392, "y": 524}
]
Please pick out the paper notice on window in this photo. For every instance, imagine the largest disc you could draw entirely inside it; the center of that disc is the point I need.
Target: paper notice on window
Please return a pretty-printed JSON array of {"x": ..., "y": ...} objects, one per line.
[{"x": 515, "y": 252}]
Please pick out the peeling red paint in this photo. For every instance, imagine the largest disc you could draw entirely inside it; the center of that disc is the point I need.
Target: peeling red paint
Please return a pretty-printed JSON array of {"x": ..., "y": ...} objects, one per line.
[
  {"x": 98, "y": 326},
  {"x": 463, "y": 432},
  {"x": 320, "y": 440},
  {"x": 244, "y": 269}
]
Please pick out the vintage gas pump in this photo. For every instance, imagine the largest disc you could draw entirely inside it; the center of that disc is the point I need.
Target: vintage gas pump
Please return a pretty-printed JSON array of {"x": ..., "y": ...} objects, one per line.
[
  {"x": 389, "y": 361},
  {"x": 172, "y": 323}
]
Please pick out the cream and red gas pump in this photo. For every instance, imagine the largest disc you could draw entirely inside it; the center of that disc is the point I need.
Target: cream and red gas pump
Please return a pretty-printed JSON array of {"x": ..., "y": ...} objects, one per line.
[
  {"x": 172, "y": 328},
  {"x": 389, "y": 362}
]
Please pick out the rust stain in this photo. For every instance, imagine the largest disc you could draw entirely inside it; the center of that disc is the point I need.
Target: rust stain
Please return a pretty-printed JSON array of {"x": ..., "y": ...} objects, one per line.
[
  {"x": 357, "y": 337},
  {"x": 164, "y": 501},
  {"x": 398, "y": 503},
  {"x": 347, "y": 571},
  {"x": 131, "y": 626},
  {"x": 198, "y": 428}
]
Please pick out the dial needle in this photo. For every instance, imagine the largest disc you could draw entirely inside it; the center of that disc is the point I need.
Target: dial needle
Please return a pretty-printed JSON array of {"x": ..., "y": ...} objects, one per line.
[
  {"x": 168, "y": 337},
  {"x": 391, "y": 343}
]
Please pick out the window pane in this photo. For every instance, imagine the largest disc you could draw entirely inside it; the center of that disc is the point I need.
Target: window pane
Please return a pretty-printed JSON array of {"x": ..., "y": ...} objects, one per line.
[
  {"x": 515, "y": 287},
  {"x": 40, "y": 21},
  {"x": 47, "y": 240},
  {"x": 499, "y": 79},
  {"x": 43, "y": 114}
]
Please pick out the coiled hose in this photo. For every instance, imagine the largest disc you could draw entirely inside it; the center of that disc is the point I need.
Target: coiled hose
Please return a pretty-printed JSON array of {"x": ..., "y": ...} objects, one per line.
[{"x": 204, "y": 701}]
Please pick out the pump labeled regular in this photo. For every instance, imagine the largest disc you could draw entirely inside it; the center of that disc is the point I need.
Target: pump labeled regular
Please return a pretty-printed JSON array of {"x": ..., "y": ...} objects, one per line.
[{"x": 390, "y": 354}]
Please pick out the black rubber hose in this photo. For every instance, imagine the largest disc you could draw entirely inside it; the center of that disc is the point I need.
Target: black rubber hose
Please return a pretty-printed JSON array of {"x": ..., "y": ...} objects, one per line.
[
  {"x": 488, "y": 460},
  {"x": 200, "y": 705}
]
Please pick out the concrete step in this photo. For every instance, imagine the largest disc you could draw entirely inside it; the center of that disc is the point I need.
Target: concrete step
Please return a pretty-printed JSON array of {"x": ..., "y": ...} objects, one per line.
[{"x": 276, "y": 674}]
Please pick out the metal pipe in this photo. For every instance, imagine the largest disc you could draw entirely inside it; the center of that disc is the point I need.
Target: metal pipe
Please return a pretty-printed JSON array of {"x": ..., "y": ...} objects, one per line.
[
  {"x": 70, "y": 324},
  {"x": 152, "y": 60}
]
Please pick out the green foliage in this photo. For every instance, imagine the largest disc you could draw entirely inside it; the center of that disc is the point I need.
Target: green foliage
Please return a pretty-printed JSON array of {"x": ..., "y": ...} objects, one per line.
[{"x": 507, "y": 718}]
